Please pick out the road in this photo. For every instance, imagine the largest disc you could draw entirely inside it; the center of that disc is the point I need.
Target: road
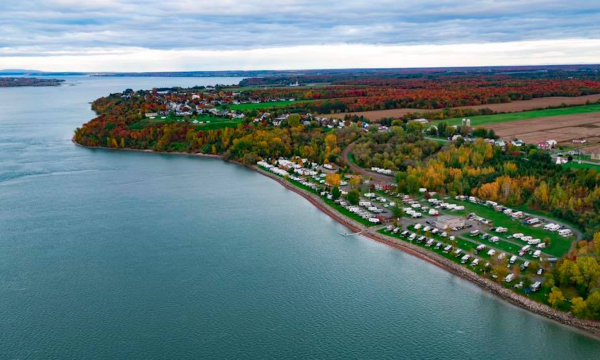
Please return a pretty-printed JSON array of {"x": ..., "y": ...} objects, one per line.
[{"x": 387, "y": 179}]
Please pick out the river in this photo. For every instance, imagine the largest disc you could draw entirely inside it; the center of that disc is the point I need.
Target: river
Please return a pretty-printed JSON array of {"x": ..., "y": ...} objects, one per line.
[{"x": 113, "y": 255}]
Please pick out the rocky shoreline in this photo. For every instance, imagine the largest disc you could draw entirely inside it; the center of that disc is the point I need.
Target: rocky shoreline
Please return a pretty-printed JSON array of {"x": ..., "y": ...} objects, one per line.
[{"x": 589, "y": 327}]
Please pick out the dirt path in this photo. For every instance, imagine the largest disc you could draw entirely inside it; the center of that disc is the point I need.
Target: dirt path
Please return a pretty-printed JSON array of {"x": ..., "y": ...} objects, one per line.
[{"x": 362, "y": 171}]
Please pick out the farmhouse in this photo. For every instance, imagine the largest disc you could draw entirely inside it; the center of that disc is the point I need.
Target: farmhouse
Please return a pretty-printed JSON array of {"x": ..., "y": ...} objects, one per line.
[
  {"x": 543, "y": 145},
  {"x": 448, "y": 222}
]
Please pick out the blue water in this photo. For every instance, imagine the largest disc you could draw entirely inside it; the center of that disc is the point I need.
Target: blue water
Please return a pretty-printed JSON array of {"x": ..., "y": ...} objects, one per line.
[{"x": 116, "y": 255}]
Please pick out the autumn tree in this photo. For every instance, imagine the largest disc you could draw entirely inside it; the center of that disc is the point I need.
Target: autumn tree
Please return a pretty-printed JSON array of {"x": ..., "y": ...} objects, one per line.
[
  {"x": 556, "y": 297},
  {"x": 333, "y": 179}
]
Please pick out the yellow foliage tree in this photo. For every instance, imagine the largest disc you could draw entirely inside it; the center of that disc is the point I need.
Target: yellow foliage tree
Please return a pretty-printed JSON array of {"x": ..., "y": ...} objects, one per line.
[{"x": 333, "y": 179}]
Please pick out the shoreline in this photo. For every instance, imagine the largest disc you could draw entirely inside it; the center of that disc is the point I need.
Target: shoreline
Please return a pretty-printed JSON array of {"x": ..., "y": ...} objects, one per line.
[{"x": 587, "y": 327}]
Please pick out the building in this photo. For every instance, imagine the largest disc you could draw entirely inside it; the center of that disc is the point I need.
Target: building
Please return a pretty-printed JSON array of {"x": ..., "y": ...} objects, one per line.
[
  {"x": 543, "y": 145},
  {"x": 448, "y": 222}
]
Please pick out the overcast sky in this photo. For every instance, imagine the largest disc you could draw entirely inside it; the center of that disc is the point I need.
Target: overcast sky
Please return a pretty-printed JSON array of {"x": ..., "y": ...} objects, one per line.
[{"x": 161, "y": 35}]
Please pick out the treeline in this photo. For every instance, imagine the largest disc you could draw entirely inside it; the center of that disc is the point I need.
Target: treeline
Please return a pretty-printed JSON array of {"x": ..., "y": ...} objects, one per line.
[
  {"x": 28, "y": 81},
  {"x": 431, "y": 92},
  {"x": 511, "y": 178}
]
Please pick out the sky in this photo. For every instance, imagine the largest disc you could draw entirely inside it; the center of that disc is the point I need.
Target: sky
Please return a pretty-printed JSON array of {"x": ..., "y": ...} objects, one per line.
[{"x": 185, "y": 35}]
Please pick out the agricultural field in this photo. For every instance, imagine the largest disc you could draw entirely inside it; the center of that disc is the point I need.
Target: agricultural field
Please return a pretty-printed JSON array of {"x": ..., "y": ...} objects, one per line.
[
  {"x": 264, "y": 105},
  {"x": 526, "y": 115},
  {"x": 511, "y": 107},
  {"x": 563, "y": 128}
]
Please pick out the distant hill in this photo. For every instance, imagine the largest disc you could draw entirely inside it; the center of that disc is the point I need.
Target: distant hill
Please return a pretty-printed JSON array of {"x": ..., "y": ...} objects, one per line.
[
  {"x": 19, "y": 72},
  {"x": 28, "y": 81}
]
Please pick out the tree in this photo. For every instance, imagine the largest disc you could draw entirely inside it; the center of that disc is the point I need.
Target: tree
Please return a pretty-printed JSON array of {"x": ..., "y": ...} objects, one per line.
[
  {"x": 593, "y": 305},
  {"x": 556, "y": 297},
  {"x": 293, "y": 120},
  {"x": 579, "y": 307},
  {"x": 353, "y": 196},
  {"x": 397, "y": 211},
  {"x": 336, "y": 193},
  {"x": 597, "y": 243},
  {"x": 333, "y": 179},
  {"x": 500, "y": 271},
  {"x": 355, "y": 181}
]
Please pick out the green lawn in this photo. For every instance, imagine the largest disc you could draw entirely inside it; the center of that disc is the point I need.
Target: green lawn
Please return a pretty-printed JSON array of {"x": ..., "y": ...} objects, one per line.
[
  {"x": 575, "y": 165},
  {"x": 215, "y": 122},
  {"x": 265, "y": 105},
  {"x": 525, "y": 115},
  {"x": 559, "y": 245}
]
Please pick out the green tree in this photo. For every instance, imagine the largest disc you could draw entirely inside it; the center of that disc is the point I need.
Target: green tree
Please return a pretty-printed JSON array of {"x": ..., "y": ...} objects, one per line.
[
  {"x": 353, "y": 196},
  {"x": 593, "y": 305},
  {"x": 336, "y": 193},
  {"x": 397, "y": 211}
]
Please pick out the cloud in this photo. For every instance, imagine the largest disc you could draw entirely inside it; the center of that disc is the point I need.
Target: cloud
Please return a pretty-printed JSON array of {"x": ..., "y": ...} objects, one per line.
[
  {"x": 569, "y": 51},
  {"x": 43, "y": 28}
]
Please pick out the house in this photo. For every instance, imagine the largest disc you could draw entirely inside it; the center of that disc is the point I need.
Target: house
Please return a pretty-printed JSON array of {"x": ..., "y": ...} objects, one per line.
[
  {"x": 561, "y": 160},
  {"x": 579, "y": 141},
  {"x": 543, "y": 145},
  {"x": 448, "y": 222},
  {"x": 517, "y": 143},
  {"x": 420, "y": 121}
]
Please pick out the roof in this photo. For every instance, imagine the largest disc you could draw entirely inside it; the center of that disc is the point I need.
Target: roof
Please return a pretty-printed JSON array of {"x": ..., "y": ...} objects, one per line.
[{"x": 448, "y": 218}]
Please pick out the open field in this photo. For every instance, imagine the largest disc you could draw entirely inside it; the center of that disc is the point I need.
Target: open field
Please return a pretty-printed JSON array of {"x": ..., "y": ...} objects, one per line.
[
  {"x": 560, "y": 128},
  {"x": 575, "y": 165},
  {"x": 265, "y": 105},
  {"x": 515, "y": 106},
  {"x": 215, "y": 122},
  {"x": 525, "y": 115}
]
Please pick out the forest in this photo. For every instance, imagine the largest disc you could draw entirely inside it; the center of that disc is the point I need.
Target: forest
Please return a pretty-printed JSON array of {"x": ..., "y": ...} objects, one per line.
[{"x": 435, "y": 92}]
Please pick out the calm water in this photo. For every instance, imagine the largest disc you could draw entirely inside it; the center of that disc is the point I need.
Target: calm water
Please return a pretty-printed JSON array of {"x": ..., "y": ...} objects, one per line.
[{"x": 107, "y": 255}]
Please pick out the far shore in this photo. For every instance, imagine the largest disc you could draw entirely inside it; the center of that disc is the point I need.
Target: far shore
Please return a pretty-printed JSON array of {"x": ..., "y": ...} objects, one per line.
[{"x": 588, "y": 327}]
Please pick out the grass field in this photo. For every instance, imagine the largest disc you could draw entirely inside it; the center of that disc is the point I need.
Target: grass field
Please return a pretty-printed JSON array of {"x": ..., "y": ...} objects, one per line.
[
  {"x": 559, "y": 245},
  {"x": 215, "y": 123},
  {"x": 525, "y": 115},
  {"x": 575, "y": 165},
  {"x": 265, "y": 105}
]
